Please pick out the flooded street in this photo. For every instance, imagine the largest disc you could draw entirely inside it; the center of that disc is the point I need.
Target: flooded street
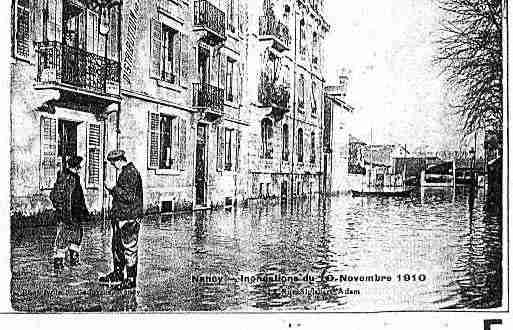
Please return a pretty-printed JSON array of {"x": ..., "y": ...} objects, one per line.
[{"x": 426, "y": 252}]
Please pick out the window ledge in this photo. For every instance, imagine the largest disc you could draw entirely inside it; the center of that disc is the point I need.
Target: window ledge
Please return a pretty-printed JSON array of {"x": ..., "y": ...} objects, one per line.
[
  {"x": 168, "y": 172},
  {"x": 168, "y": 85},
  {"x": 232, "y": 104}
]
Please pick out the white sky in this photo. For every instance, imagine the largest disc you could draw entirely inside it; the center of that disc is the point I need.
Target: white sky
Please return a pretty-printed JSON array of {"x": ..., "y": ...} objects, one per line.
[{"x": 388, "y": 45}]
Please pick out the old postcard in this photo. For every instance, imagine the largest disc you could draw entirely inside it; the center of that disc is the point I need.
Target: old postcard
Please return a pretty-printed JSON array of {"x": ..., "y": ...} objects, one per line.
[{"x": 259, "y": 156}]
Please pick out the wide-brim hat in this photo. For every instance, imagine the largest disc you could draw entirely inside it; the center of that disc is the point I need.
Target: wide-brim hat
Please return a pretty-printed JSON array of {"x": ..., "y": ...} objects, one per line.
[
  {"x": 115, "y": 155},
  {"x": 74, "y": 161}
]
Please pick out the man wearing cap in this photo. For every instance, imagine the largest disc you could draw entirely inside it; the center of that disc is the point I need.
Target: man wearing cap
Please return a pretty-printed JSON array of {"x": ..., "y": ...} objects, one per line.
[
  {"x": 68, "y": 200},
  {"x": 126, "y": 214}
]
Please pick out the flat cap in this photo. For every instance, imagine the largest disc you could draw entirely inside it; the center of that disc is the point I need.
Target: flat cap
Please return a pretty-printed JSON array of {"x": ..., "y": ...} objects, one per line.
[{"x": 115, "y": 155}]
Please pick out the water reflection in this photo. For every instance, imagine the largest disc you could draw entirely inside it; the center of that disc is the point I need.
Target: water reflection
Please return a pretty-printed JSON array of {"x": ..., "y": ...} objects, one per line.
[{"x": 445, "y": 235}]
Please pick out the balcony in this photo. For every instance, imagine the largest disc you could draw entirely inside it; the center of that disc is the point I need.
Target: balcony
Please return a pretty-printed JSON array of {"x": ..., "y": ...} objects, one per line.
[
  {"x": 208, "y": 99},
  {"x": 275, "y": 96},
  {"x": 210, "y": 21},
  {"x": 270, "y": 29},
  {"x": 76, "y": 70}
]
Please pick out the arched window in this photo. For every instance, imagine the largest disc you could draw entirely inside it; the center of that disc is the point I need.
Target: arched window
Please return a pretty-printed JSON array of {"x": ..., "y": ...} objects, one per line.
[
  {"x": 301, "y": 91},
  {"x": 285, "y": 142},
  {"x": 312, "y": 150},
  {"x": 300, "y": 145},
  {"x": 302, "y": 37},
  {"x": 267, "y": 138}
]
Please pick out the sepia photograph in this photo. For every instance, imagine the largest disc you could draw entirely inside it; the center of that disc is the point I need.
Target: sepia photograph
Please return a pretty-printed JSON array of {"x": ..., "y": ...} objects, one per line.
[{"x": 258, "y": 156}]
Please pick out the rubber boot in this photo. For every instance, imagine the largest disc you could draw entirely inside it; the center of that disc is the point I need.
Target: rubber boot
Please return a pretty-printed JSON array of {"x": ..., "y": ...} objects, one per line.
[
  {"x": 131, "y": 279},
  {"x": 113, "y": 278}
]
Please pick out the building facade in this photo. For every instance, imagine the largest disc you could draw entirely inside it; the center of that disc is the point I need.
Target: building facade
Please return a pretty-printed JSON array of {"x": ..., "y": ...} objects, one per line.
[
  {"x": 65, "y": 95},
  {"x": 286, "y": 70},
  {"x": 214, "y": 101},
  {"x": 162, "y": 80},
  {"x": 181, "y": 112},
  {"x": 337, "y": 127}
]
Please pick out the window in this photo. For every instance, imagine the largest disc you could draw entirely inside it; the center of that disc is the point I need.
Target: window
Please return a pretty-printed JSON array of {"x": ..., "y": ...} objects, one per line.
[
  {"x": 229, "y": 79},
  {"x": 22, "y": 29},
  {"x": 314, "y": 98},
  {"x": 228, "y": 149},
  {"x": 168, "y": 54},
  {"x": 315, "y": 47},
  {"x": 167, "y": 142},
  {"x": 302, "y": 37},
  {"x": 285, "y": 142},
  {"x": 230, "y": 16},
  {"x": 286, "y": 13},
  {"x": 267, "y": 137},
  {"x": 312, "y": 153},
  {"x": 300, "y": 145},
  {"x": 301, "y": 91}
]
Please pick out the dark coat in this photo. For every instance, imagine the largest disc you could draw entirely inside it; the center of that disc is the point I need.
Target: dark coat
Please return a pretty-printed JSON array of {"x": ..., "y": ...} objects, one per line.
[
  {"x": 68, "y": 199},
  {"x": 127, "y": 195}
]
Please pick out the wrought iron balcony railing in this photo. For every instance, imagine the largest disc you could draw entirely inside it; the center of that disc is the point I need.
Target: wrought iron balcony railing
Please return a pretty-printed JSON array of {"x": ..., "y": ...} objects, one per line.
[
  {"x": 209, "y": 16},
  {"x": 209, "y": 97},
  {"x": 273, "y": 94},
  {"x": 270, "y": 26},
  {"x": 59, "y": 63}
]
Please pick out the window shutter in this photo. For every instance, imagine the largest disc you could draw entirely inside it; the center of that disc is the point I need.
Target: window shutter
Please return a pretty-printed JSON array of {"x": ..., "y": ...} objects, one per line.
[
  {"x": 113, "y": 35},
  {"x": 222, "y": 72},
  {"x": 92, "y": 31},
  {"x": 214, "y": 69},
  {"x": 236, "y": 83},
  {"x": 220, "y": 148},
  {"x": 153, "y": 140},
  {"x": 93, "y": 155},
  {"x": 186, "y": 59},
  {"x": 48, "y": 169},
  {"x": 177, "y": 56},
  {"x": 314, "y": 98},
  {"x": 54, "y": 20},
  {"x": 156, "y": 48},
  {"x": 183, "y": 144},
  {"x": 38, "y": 20},
  {"x": 22, "y": 29},
  {"x": 237, "y": 149},
  {"x": 175, "y": 152}
]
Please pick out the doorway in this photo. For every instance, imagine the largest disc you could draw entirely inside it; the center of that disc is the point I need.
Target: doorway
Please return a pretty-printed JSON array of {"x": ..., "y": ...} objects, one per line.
[
  {"x": 201, "y": 165},
  {"x": 67, "y": 143}
]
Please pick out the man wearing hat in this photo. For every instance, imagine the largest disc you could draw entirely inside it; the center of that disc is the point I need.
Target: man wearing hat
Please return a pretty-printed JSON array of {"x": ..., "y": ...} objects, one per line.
[
  {"x": 126, "y": 214},
  {"x": 68, "y": 200}
]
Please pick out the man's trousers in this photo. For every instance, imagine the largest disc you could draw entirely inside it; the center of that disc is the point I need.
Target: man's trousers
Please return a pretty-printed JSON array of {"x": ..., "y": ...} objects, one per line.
[
  {"x": 69, "y": 236},
  {"x": 125, "y": 237}
]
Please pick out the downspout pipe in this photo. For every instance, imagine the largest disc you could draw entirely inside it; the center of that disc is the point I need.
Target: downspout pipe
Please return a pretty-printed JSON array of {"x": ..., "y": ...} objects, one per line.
[{"x": 294, "y": 114}]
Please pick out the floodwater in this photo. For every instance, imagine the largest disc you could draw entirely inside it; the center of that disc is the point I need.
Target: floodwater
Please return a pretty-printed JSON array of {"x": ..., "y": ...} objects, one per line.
[{"x": 432, "y": 251}]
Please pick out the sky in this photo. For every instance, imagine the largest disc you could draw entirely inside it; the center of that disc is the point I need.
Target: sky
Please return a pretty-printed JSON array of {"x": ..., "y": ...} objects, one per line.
[{"x": 389, "y": 45}]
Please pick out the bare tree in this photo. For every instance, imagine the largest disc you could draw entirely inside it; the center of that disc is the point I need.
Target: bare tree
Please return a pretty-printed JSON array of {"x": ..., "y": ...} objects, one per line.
[{"x": 470, "y": 56}]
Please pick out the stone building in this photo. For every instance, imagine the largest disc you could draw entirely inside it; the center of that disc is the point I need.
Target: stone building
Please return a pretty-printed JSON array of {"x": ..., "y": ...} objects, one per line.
[
  {"x": 65, "y": 95},
  {"x": 286, "y": 70},
  {"x": 214, "y": 101},
  {"x": 337, "y": 128},
  {"x": 162, "y": 80},
  {"x": 181, "y": 113}
]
